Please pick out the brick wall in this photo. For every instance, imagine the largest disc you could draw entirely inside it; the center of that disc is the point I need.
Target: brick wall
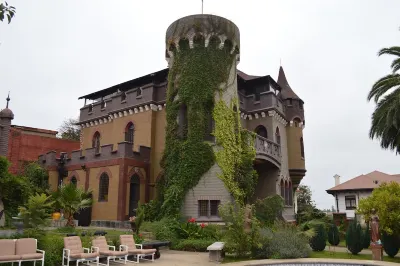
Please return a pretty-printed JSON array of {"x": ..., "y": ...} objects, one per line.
[{"x": 27, "y": 147}]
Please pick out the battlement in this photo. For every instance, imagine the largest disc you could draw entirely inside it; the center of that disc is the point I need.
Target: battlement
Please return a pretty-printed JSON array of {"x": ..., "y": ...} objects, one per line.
[
  {"x": 124, "y": 150},
  {"x": 205, "y": 26}
]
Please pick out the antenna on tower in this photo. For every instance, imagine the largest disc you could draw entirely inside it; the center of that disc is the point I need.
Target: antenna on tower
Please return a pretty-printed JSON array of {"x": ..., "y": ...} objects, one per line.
[
  {"x": 201, "y": 6},
  {"x": 8, "y": 99}
]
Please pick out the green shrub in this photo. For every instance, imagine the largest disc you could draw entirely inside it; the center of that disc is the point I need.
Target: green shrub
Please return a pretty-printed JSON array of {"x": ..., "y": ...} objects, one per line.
[
  {"x": 318, "y": 241},
  {"x": 333, "y": 235},
  {"x": 199, "y": 245},
  {"x": 354, "y": 238},
  {"x": 36, "y": 213},
  {"x": 53, "y": 245},
  {"x": 391, "y": 244},
  {"x": 286, "y": 241},
  {"x": 366, "y": 237},
  {"x": 152, "y": 210},
  {"x": 269, "y": 209},
  {"x": 238, "y": 241},
  {"x": 166, "y": 229}
]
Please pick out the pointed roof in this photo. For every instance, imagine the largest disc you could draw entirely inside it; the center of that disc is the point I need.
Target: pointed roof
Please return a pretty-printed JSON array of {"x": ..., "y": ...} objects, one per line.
[
  {"x": 365, "y": 182},
  {"x": 287, "y": 92}
]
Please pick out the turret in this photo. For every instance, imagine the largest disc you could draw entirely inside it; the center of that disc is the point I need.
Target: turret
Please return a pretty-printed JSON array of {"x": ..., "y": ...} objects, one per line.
[
  {"x": 294, "y": 109},
  {"x": 6, "y": 115}
]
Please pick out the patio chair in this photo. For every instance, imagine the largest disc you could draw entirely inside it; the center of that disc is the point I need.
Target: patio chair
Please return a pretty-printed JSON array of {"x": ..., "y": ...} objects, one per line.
[
  {"x": 99, "y": 245},
  {"x": 128, "y": 244},
  {"x": 73, "y": 251}
]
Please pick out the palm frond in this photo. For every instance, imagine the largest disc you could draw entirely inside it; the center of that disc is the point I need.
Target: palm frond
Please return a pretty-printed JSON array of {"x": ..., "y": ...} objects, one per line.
[
  {"x": 383, "y": 85},
  {"x": 395, "y": 65},
  {"x": 395, "y": 50}
]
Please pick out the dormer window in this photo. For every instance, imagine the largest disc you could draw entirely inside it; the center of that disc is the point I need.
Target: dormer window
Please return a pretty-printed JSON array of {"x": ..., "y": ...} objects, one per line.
[
  {"x": 123, "y": 97},
  {"x": 138, "y": 92},
  {"x": 90, "y": 108}
]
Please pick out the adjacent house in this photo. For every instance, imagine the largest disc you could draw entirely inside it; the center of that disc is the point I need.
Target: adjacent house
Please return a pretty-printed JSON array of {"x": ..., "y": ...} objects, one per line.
[{"x": 348, "y": 194}]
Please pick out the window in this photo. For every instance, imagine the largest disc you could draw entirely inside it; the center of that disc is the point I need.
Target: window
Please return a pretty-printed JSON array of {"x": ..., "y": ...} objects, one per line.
[
  {"x": 290, "y": 102},
  {"x": 278, "y": 136},
  {"x": 138, "y": 92},
  {"x": 301, "y": 105},
  {"x": 282, "y": 189},
  {"x": 74, "y": 181},
  {"x": 209, "y": 208},
  {"x": 261, "y": 131},
  {"x": 290, "y": 194},
  {"x": 287, "y": 192},
  {"x": 123, "y": 97},
  {"x": 257, "y": 97},
  {"x": 96, "y": 142},
  {"x": 103, "y": 104},
  {"x": 90, "y": 108},
  {"x": 350, "y": 202},
  {"x": 103, "y": 187},
  {"x": 129, "y": 132},
  {"x": 302, "y": 147}
]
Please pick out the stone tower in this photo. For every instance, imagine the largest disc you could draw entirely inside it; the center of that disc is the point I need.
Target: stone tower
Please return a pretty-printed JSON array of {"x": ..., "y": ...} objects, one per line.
[
  {"x": 202, "y": 52},
  {"x": 6, "y": 115},
  {"x": 295, "y": 116}
]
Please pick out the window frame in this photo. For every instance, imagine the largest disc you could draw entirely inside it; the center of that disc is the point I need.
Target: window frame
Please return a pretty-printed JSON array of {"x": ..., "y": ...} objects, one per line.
[
  {"x": 103, "y": 197},
  {"x": 348, "y": 200},
  {"x": 208, "y": 208},
  {"x": 128, "y": 138}
]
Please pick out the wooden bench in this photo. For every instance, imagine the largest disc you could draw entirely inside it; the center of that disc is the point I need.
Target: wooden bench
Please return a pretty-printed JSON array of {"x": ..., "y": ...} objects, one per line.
[{"x": 216, "y": 252}]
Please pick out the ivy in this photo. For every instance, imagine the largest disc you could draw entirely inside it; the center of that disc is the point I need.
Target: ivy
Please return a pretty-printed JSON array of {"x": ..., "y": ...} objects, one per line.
[{"x": 194, "y": 79}]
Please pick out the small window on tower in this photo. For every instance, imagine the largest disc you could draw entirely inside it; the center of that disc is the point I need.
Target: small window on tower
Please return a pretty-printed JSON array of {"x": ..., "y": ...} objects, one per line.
[
  {"x": 301, "y": 105},
  {"x": 103, "y": 104},
  {"x": 290, "y": 102},
  {"x": 138, "y": 92},
  {"x": 123, "y": 97},
  {"x": 90, "y": 108}
]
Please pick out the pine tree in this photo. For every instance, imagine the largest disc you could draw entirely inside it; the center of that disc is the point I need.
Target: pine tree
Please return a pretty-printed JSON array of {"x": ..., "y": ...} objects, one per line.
[
  {"x": 333, "y": 235},
  {"x": 354, "y": 238},
  {"x": 367, "y": 237},
  {"x": 318, "y": 242},
  {"x": 391, "y": 244}
]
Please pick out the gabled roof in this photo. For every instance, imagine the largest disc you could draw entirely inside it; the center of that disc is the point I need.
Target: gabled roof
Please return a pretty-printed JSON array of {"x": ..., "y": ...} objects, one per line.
[
  {"x": 365, "y": 182},
  {"x": 287, "y": 92}
]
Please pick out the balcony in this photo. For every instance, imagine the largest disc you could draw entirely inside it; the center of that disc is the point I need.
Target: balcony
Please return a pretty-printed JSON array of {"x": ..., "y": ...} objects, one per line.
[{"x": 268, "y": 150}]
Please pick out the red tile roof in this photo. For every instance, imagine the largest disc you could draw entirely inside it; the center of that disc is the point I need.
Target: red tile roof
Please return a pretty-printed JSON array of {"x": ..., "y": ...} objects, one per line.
[{"x": 365, "y": 182}]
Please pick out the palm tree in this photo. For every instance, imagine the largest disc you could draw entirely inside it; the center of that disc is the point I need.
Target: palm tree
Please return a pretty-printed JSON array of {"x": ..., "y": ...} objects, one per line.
[
  {"x": 71, "y": 200},
  {"x": 386, "y": 94}
]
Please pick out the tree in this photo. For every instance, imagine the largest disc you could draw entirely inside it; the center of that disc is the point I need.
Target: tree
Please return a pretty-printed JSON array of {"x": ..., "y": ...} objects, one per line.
[
  {"x": 268, "y": 210},
  {"x": 37, "y": 176},
  {"x": 354, "y": 238},
  {"x": 391, "y": 244},
  {"x": 306, "y": 209},
  {"x": 386, "y": 201},
  {"x": 71, "y": 200},
  {"x": 69, "y": 129},
  {"x": 333, "y": 235},
  {"x": 386, "y": 94},
  {"x": 6, "y": 11},
  {"x": 318, "y": 241},
  {"x": 36, "y": 212}
]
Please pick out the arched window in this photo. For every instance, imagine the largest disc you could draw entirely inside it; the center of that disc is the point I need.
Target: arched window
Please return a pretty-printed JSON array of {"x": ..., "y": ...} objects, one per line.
[
  {"x": 278, "y": 136},
  {"x": 96, "y": 142},
  {"x": 261, "y": 131},
  {"x": 302, "y": 147},
  {"x": 74, "y": 181},
  {"x": 290, "y": 194},
  {"x": 129, "y": 132},
  {"x": 296, "y": 122},
  {"x": 103, "y": 187},
  {"x": 287, "y": 192},
  {"x": 282, "y": 189}
]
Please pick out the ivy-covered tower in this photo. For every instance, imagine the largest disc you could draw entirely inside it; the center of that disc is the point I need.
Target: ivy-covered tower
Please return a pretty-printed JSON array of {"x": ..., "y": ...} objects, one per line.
[
  {"x": 204, "y": 149},
  {"x": 295, "y": 115}
]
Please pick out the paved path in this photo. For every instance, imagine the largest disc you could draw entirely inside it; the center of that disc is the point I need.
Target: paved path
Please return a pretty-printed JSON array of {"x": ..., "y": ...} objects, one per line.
[{"x": 364, "y": 251}]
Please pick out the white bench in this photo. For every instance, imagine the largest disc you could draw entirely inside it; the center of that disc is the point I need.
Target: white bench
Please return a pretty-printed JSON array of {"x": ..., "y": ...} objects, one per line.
[{"x": 216, "y": 251}]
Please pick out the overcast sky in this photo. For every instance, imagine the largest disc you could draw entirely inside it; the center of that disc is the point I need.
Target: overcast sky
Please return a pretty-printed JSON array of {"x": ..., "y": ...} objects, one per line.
[{"x": 55, "y": 51}]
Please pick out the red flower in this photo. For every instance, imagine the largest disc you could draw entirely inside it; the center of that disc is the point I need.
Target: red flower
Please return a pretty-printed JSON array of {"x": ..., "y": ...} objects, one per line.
[
  {"x": 203, "y": 225},
  {"x": 192, "y": 220},
  {"x": 140, "y": 235}
]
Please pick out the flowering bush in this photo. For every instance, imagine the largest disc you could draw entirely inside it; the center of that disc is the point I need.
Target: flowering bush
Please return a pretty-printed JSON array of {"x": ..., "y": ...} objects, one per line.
[
  {"x": 138, "y": 238},
  {"x": 192, "y": 230}
]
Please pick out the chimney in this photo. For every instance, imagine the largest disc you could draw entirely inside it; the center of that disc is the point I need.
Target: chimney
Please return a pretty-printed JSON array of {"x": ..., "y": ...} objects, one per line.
[{"x": 337, "y": 180}]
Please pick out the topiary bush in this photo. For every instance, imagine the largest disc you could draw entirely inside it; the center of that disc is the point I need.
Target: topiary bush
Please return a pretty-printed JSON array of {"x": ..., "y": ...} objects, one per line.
[
  {"x": 367, "y": 237},
  {"x": 354, "y": 238},
  {"x": 333, "y": 235},
  {"x": 199, "y": 245},
  {"x": 318, "y": 241},
  {"x": 391, "y": 244}
]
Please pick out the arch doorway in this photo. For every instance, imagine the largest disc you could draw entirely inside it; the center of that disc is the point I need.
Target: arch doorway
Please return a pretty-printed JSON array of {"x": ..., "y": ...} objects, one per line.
[{"x": 134, "y": 194}]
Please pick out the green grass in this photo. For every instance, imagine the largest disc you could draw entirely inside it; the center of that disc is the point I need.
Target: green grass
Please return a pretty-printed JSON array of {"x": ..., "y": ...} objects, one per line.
[{"x": 344, "y": 255}]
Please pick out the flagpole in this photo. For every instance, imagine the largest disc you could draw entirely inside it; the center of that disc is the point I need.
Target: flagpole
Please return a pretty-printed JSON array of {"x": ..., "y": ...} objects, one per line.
[{"x": 201, "y": 6}]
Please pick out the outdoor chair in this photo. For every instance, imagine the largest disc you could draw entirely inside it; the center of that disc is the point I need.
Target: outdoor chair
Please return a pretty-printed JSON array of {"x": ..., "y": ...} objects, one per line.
[
  {"x": 19, "y": 250},
  {"x": 73, "y": 251},
  {"x": 128, "y": 244},
  {"x": 99, "y": 245}
]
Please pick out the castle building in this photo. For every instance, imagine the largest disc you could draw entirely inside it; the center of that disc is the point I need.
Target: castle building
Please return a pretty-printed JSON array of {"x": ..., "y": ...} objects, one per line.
[
  {"x": 123, "y": 131},
  {"x": 22, "y": 145}
]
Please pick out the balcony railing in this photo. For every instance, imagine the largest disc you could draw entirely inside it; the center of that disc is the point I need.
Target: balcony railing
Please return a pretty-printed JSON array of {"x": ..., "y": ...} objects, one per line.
[{"x": 268, "y": 148}]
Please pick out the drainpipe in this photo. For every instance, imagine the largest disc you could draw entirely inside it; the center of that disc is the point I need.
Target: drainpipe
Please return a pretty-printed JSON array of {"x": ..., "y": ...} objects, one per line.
[{"x": 337, "y": 203}]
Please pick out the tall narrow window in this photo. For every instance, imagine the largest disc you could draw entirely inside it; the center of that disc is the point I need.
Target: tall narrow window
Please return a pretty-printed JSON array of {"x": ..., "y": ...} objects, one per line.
[
  {"x": 290, "y": 194},
  {"x": 278, "y": 136},
  {"x": 129, "y": 132},
  {"x": 287, "y": 192},
  {"x": 282, "y": 189},
  {"x": 138, "y": 92},
  {"x": 96, "y": 142},
  {"x": 90, "y": 108},
  {"x": 103, "y": 187},
  {"x": 302, "y": 147},
  {"x": 74, "y": 181}
]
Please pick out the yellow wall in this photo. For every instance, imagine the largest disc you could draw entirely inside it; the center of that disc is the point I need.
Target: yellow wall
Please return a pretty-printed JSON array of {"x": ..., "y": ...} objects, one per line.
[
  {"x": 105, "y": 210},
  {"x": 82, "y": 178},
  {"x": 114, "y": 132},
  {"x": 294, "y": 149},
  {"x": 53, "y": 180},
  {"x": 142, "y": 190}
]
